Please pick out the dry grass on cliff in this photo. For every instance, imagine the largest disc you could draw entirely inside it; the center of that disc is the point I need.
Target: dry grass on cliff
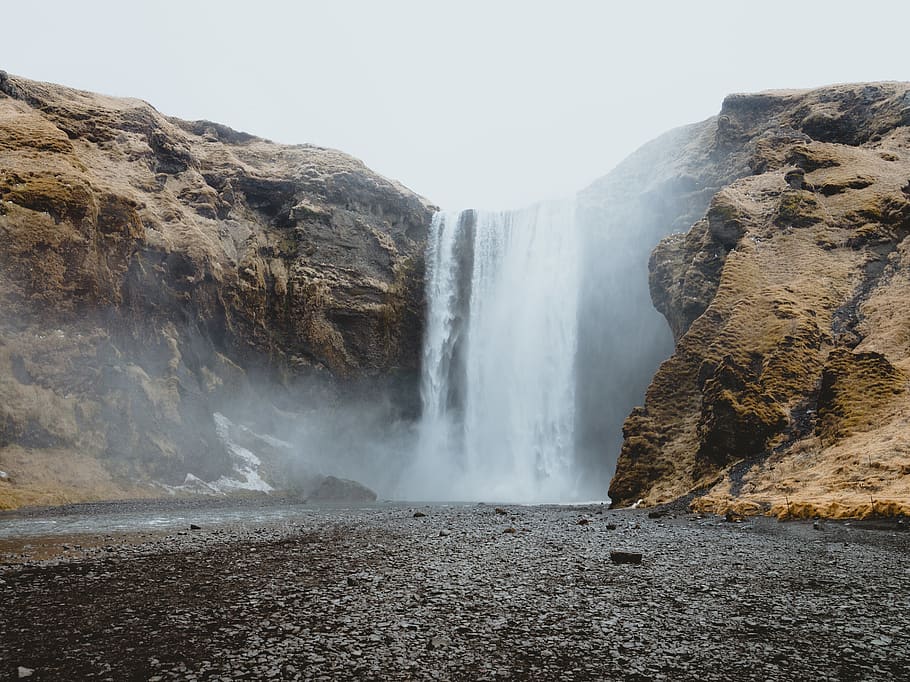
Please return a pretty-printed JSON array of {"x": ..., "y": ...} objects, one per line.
[
  {"x": 59, "y": 476},
  {"x": 809, "y": 307},
  {"x": 865, "y": 474},
  {"x": 776, "y": 296}
]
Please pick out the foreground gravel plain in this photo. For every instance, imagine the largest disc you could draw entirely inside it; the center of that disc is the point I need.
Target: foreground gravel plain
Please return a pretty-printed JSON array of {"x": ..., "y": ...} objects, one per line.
[{"x": 462, "y": 592}]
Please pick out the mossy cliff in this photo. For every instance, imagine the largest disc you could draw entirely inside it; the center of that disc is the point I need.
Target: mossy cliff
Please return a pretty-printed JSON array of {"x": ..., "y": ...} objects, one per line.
[
  {"x": 151, "y": 267},
  {"x": 787, "y": 390}
]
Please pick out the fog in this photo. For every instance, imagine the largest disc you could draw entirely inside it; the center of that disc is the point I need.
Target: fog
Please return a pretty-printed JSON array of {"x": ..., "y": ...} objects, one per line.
[
  {"x": 302, "y": 433},
  {"x": 472, "y": 104}
]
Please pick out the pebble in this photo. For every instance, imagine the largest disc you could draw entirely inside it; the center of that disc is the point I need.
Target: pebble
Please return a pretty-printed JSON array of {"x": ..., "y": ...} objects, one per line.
[
  {"x": 362, "y": 594},
  {"x": 619, "y": 557}
]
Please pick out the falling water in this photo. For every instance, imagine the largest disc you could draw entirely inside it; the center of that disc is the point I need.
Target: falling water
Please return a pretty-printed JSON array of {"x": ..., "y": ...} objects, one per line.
[{"x": 498, "y": 382}]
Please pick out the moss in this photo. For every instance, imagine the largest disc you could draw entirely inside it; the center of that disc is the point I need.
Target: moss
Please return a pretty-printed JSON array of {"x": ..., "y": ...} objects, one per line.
[
  {"x": 791, "y": 366},
  {"x": 394, "y": 313},
  {"x": 725, "y": 221},
  {"x": 23, "y": 132},
  {"x": 809, "y": 509},
  {"x": 640, "y": 460},
  {"x": 314, "y": 297},
  {"x": 813, "y": 156},
  {"x": 721, "y": 210},
  {"x": 286, "y": 246},
  {"x": 798, "y": 208},
  {"x": 870, "y": 234},
  {"x": 738, "y": 418},
  {"x": 841, "y": 185},
  {"x": 118, "y": 216},
  {"x": 891, "y": 210},
  {"x": 855, "y": 388},
  {"x": 61, "y": 197}
]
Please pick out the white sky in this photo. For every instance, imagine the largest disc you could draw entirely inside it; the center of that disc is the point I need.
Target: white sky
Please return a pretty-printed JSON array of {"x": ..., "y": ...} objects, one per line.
[{"x": 485, "y": 104}]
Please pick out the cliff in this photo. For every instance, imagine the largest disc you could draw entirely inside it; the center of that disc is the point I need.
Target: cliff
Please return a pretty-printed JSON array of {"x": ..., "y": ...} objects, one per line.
[
  {"x": 159, "y": 277},
  {"x": 787, "y": 389},
  {"x": 152, "y": 270}
]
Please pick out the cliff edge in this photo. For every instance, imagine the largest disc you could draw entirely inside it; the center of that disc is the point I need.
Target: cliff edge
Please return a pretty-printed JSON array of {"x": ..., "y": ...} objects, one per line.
[{"x": 787, "y": 391}]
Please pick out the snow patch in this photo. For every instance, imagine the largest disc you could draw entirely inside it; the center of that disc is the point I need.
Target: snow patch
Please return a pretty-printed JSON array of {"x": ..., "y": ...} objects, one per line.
[
  {"x": 246, "y": 466},
  {"x": 246, "y": 463},
  {"x": 264, "y": 437}
]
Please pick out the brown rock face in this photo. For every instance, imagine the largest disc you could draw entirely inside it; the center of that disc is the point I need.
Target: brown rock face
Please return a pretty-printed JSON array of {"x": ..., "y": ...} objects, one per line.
[
  {"x": 149, "y": 267},
  {"x": 787, "y": 389}
]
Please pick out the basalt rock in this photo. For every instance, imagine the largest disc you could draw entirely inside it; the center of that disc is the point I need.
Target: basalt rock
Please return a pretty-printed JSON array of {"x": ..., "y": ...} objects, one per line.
[
  {"x": 787, "y": 389},
  {"x": 153, "y": 269}
]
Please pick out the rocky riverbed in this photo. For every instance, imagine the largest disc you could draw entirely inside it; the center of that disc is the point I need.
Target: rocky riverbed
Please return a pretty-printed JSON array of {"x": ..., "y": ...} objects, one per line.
[{"x": 393, "y": 592}]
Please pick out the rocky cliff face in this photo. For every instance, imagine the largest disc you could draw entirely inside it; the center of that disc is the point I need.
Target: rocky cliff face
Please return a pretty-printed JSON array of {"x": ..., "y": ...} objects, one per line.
[
  {"x": 150, "y": 268},
  {"x": 787, "y": 389},
  {"x": 154, "y": 272}
]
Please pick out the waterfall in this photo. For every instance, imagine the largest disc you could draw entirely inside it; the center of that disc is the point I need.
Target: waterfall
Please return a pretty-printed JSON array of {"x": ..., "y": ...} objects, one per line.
[{"x": 498, "y": 377}]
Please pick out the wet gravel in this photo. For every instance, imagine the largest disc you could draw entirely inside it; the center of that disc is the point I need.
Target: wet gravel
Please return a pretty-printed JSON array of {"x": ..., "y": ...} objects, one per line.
[{"x": 467, "y": 592}]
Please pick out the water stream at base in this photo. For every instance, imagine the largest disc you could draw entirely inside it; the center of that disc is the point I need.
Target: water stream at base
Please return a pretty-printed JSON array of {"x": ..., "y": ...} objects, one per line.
[{"x": 498, "y": 379}]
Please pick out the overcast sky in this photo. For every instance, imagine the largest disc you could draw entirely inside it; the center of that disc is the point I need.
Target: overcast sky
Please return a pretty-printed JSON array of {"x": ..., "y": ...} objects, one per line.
[{"x": 486, "y": 104}]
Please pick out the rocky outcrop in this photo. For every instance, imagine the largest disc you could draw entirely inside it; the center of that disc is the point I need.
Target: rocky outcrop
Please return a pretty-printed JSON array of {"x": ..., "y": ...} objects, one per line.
[
  {"x": 787, "y": 389},
  {"x": 151, "y": 269}
]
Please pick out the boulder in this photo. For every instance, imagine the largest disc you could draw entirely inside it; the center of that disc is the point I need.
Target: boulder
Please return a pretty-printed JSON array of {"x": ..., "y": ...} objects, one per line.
[
  {"x": 622, "y": 557},
  {"x": 332, "y": 489}
]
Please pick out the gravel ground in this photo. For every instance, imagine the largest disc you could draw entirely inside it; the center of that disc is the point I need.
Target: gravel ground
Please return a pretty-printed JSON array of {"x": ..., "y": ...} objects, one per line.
[{"x": 466, "y": 592}]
